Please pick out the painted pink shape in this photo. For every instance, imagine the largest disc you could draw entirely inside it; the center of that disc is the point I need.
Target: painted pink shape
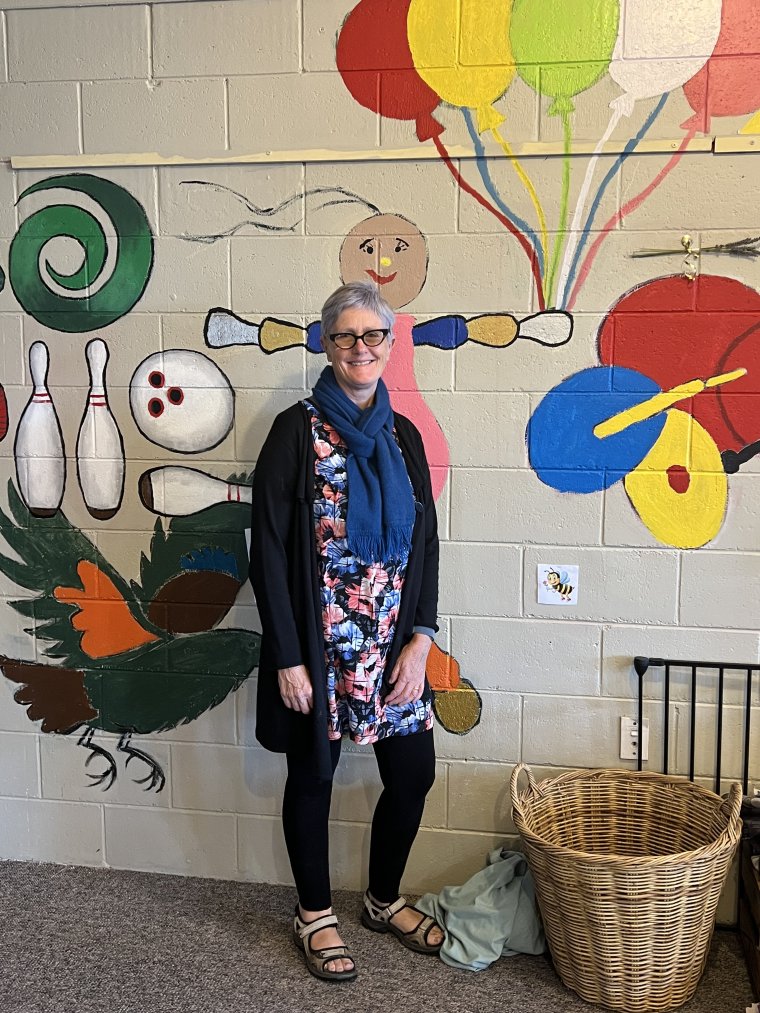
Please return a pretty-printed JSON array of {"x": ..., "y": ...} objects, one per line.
[{"x": 406, "y": 398}]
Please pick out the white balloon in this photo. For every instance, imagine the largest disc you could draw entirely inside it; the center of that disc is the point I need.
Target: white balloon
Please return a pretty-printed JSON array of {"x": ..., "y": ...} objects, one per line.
[{"x": 661, "y": 45}]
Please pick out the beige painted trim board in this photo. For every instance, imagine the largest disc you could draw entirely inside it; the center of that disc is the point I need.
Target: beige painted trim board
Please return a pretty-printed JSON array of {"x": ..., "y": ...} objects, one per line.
[{"x": 532, "y": 149}]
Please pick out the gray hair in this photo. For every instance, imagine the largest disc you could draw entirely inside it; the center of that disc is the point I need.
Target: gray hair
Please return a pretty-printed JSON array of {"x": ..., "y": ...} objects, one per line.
[{"x": 362, "y": 294}]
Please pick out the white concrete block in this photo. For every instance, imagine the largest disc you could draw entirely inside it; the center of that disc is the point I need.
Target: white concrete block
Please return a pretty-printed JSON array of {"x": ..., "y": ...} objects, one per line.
[
  {"x": 227, "y": 779},
  {"x": 67, "y": 776},
  {"x": 524, "y": 656},
  {"x": 19, "y": 765},
  {"x": 479, "y": 797},
  {"x": 7, "y": 202},
  {"x": 485, "y": 431},
  {"x": 709, "y": 192},
  {"x": 527, "y": 365},
  {"x": 514, "y": 506},
  {"x": 4, "y": 45},
  {"x": 255, "y": 412},
  {"x": 129, "y": 340},
  {"x": 83, "y": 44},
  {"x": 282, "y": 276},
  {"x": 580, "y": 731},
  {"x": 276, "y": 113},
  {"x": 741, "y": 525},
  {"x": 427, "y": 197},
  {"x": 615, "y": 585},
  {"x": 180, "y": 843},
  {"x": 622, "y": 524},
  {"x": 171, "y": 117},
  {"x": 262, "y": 856},
  {"x": 208, "y": 39},
  {"x": 211, "y": 200},
  {"x": 474, "y": 274},
  {"x": 495, "y": 738},
  {"x": 434, "y": 368},
  {"x": 719, "y": 589},
  {"x": 321, "y": 24},
  {"x": 186, "y": 277},
  {"x": 39, "y": 119},
  {"x": 442, "y": 858},
  {"x": 621, "y": 644},
  {"x": 13, "y": 715},
  {"x": 11, "y": 349},
  {"x": 33, "y": 830},
  {"x": 479, "y": 580}
]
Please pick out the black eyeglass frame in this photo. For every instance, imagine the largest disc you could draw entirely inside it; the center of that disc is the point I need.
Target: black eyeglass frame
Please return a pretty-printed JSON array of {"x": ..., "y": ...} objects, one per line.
[{"x": 385, "y": 331}]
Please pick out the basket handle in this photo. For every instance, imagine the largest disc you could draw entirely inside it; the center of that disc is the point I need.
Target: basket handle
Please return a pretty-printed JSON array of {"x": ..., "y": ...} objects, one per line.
[
  {"x": 513, "y": 790},
  {"x": 732, "y": 805}
]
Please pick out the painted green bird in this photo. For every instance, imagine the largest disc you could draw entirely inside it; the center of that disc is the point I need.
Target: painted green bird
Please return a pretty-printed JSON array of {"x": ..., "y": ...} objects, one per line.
[{"x": 135, "y": 658}]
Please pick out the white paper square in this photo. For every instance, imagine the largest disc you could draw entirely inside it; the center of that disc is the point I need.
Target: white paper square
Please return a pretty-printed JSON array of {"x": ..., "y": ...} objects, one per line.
[{"x": 557, "y": 583}]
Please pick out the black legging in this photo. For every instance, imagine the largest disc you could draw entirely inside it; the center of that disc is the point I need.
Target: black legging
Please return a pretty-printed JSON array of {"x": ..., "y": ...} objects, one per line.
[{"x": 407, "y": 770}]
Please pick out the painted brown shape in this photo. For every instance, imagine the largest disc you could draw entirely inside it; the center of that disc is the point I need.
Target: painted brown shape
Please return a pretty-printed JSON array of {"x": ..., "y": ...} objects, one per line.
[
  {"x": 389, "y": 250},
  {"x": 194, "y": 601},
  {"x": 54, "y": 695}
]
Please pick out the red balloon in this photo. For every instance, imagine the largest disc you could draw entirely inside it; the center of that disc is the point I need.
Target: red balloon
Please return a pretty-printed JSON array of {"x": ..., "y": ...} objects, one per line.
[
  {"x": 729, "y": 83},
  {"x": 674, "y": 330},
  {"x": 375, "y": 62}
]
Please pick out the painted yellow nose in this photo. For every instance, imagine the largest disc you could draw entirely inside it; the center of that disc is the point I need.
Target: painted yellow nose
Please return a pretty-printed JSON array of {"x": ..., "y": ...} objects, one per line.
[{"x": 385, "y": 261}]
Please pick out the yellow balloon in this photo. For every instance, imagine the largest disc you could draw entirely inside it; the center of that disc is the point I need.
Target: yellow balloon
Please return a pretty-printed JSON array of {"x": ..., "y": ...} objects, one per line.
[
  {"x": 461, "y": 49},
  {"x": 693, "y": 516}
]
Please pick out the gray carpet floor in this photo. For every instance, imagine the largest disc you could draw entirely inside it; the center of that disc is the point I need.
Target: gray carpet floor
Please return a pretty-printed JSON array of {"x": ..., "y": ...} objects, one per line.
[{"x": 79, "y": 940}]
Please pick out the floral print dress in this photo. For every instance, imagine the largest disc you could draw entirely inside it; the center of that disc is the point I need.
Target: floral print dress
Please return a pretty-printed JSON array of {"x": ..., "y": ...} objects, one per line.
[{"x": 360, "y": 604}]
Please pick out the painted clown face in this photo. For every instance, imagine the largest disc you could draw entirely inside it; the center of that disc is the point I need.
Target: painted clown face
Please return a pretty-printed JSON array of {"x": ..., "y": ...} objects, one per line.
[{"x": 389, "y": 250}]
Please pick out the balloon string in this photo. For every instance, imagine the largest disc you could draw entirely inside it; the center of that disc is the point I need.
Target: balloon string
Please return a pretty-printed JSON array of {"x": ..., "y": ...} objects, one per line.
[
  {"x": 632, "y": 204},
  {"x": 564, "y": 207},
  {"x": 488, "y": 183},
  {"x": 464, "y": 185},
  {"x": 572, "y": 244},
  {"x": 611, "y": 173},
  {"x": 524, "y": 179}
]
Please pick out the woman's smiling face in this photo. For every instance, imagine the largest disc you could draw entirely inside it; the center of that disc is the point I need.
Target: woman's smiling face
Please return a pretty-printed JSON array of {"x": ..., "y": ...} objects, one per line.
[
  {"x": 358, "y": 369},
  {"x": 389, "y": 250}
]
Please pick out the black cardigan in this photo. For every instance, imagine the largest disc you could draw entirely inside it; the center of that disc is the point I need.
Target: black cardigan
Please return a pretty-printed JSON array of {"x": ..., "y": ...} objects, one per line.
[{"x": 284, "y": 576}]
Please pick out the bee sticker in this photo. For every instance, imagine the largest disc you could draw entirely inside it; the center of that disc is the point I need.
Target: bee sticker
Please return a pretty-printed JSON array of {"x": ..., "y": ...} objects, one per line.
[{"x": 557, "y": 585}]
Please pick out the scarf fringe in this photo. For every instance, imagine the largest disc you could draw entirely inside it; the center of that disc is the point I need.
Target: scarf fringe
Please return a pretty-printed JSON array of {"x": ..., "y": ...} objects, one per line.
[{"x": 369, "y": 548}]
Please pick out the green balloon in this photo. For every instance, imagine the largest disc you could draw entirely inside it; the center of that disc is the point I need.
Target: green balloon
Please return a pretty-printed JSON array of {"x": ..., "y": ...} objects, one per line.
[{"x": 562, "y": 47}]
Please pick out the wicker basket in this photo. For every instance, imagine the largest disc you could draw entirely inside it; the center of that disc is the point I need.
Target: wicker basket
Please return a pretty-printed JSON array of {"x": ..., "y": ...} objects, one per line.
[{"x": 628, "y": 869}]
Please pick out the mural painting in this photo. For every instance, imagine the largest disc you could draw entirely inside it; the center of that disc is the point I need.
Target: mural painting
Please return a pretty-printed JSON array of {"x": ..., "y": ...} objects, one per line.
[
  {"x": 670, "y": 433},
  {"x": 670, "y": 408}
]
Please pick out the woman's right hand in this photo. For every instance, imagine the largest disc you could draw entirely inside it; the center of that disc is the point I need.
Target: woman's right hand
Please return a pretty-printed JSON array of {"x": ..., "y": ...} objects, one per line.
[{"x": 295, "y": 688}]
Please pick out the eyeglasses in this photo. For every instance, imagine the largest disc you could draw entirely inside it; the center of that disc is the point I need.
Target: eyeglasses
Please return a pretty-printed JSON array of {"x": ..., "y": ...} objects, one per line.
[{"x": 345, "y": 339}]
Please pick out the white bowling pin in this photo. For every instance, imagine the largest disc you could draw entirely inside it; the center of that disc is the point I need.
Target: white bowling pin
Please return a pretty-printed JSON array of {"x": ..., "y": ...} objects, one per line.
[
  {"x": 177, "y": 492},
  {"x": 100, "y": 448},
  {"x": 40, "y": 458}
]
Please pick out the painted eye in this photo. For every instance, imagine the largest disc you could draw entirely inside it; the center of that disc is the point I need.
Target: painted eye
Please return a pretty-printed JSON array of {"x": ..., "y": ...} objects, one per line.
[
  {"x": 176, "y": 395},
  {"x": 155, "y": 407},
  {"x": 156, "y": 379},
  {"x": 401, "y": 245}
]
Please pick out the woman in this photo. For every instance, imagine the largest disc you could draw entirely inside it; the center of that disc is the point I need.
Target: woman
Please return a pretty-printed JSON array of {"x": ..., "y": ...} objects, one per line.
[{"x": 344, "y": 565}]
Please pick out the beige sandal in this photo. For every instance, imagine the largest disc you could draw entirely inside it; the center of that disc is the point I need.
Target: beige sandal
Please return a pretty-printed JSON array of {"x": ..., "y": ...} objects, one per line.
[
  {"x": 378, "y": 919},
  {"x": 317, "y": 960}
]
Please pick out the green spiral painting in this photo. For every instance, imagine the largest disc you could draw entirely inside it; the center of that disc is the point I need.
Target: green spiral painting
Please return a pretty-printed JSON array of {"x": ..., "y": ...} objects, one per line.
[{"x": 94, "y": 302}]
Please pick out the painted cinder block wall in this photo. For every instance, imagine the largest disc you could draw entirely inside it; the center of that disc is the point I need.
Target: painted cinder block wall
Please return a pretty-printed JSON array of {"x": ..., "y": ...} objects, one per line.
[{"x": 240, "y": 77}]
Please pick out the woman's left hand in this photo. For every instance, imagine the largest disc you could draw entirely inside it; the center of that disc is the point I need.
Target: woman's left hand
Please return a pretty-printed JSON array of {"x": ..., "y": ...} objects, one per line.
[{"x": 408, "y": 676}]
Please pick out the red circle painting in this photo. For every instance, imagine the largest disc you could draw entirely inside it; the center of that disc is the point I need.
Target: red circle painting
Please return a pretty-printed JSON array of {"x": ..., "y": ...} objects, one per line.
[{"x": 674, "y": 330}]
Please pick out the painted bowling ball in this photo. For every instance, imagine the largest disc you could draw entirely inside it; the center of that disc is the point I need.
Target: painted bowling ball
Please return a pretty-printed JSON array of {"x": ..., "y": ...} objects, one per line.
[{"x": 182, "y": 401}]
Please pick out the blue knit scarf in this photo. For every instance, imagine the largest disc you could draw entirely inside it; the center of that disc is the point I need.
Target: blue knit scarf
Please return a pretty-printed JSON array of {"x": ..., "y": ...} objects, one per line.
[{"x": 380, "y": 503}]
